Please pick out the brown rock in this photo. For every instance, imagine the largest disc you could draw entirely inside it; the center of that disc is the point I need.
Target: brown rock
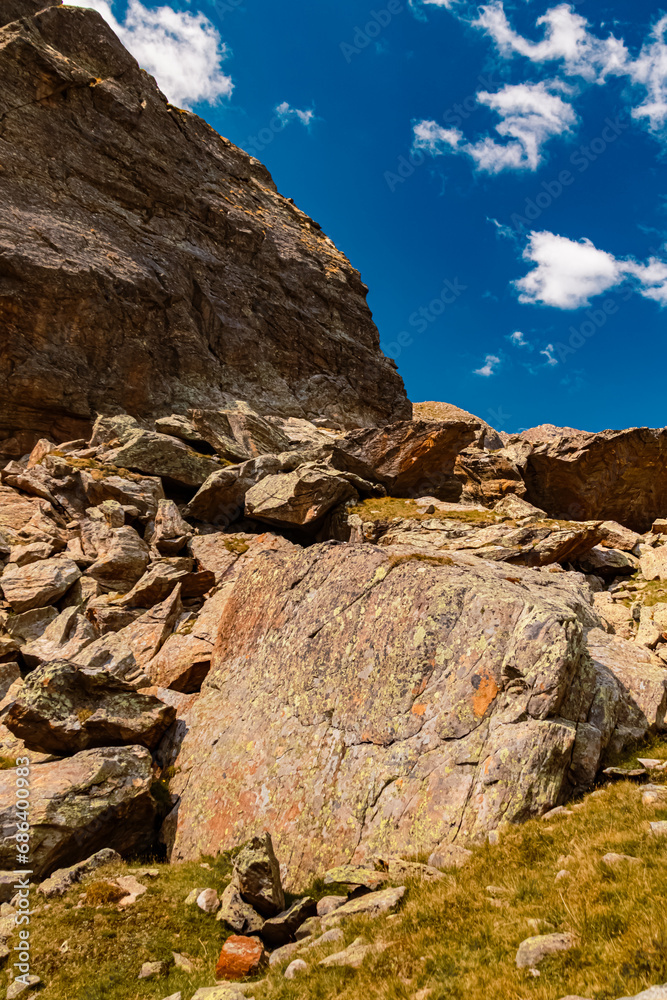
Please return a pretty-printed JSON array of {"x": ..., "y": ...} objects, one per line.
[
  {"x": 161, "y": 455},
  {"x": 487, "y": 478},
  {"x": 257, "y": 876},
  {"x": 98, "y": 798},
  {"x": 615, "y": 536},
  {"x": 150, "y": 339},
  {"x": 62, "y": 639},
  {"x": 608, "y": 476},
  {"x": 653, "y": 563},
  {"x": 411, "y": 458},
  {"x": 38, "y": 584},
  {"x": 63, "y": 709},
  {"x": 300, "y": 498},
  {"x": 240, "y": 957},
  {"x": 122, "y": 559},
  {"x": 238, "y": 433},
  {"x": 487, "y": 437}
]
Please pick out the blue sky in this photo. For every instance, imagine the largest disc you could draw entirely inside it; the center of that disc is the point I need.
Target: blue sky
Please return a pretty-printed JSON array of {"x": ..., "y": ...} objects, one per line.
[{"x": 496, "y": 173}]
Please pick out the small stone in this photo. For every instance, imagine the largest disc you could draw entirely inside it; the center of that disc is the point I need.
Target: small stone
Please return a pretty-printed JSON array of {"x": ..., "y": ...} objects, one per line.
[
  {"x": 373, "y": 904},
  {"x": 175, "y": 996},
  {"x": 329, "y": 903},
  {"x": 353, "y": 955},
  {"x": 208, "y": 901},
  {"x": 333, "y": 934},
  {"x": 558, "y": 811},
  {"x": 620, "y": 859},
  {"x": 285, "y": 953},
  {"x": 497, "y": 890},
  {"x": 308, "y": 928},
  {"x": 540, "y": 926},
  {"x": 238, "y": 914},
  {"x": 193, "y": 896},
  {"x": 562, "y": 875},
  {"x": 132, "y": 887},
  {"x": 182, "y": 962},
  {"x": 494, "y": 838},
  {"x": 659, "y": 828},
  {"x": 240, "y": 957},
  {"x": 151, "y": 970},
  {"x": 296, "y": 968},
  {"x": 17, "y": 987},
  {"x": 534, "y": 949}
]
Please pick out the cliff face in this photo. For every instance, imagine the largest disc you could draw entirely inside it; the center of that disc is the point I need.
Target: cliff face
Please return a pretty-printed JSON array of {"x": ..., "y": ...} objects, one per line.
[{"x": 149, "y": 265}]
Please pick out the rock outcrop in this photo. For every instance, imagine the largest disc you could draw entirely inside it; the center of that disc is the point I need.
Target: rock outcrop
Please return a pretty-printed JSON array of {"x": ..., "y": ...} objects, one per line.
[
  {"x": 613, "y": 475},
  {"x": 154, "y": 267},
  {"x": 398, "y": 697}
]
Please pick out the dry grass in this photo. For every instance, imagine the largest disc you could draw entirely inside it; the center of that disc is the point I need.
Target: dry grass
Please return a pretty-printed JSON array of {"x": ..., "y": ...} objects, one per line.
[
  {"x": 386, "y": 508},
  {"x": 451, "y": 937}
]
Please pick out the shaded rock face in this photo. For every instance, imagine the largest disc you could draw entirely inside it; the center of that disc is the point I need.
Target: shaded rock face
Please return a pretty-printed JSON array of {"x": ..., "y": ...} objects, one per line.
[
  {"x": 398, "y": 698},
  {"x": 614, "y": 475},
  {"x": 154, "y": 267}
]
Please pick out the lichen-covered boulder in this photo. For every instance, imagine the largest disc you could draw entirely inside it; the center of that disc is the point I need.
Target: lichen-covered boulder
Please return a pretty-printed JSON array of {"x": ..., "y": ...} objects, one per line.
[
  {"x": 96, "y": 799},
  {"x": 399, "y": 698},
  {"x": 62, "y": 709},
  {"x": 257, "y": 876}
]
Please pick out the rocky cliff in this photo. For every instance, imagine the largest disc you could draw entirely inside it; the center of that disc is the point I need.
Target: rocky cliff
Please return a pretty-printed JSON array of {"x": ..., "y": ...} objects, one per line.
[{"x": 148, "y": 265}]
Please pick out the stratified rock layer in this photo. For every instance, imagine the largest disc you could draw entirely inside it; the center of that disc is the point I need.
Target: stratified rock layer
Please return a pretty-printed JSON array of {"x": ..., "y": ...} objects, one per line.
[{"x": 151, "y": 265}]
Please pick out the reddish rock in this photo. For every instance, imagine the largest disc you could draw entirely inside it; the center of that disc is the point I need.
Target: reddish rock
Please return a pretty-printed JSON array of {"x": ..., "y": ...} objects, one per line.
[{"x": 240, "y": 957}]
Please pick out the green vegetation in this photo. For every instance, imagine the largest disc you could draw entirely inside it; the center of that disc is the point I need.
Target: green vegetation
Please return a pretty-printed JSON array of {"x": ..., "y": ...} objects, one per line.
[
  {"x": 7, "y": 763},
  {"x": 386, "y": 508},
  {"x": 454, "y": 937}
]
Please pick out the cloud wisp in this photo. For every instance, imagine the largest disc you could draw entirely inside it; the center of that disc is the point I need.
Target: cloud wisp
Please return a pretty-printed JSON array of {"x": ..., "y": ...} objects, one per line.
[{"x": 491, "y": 363}]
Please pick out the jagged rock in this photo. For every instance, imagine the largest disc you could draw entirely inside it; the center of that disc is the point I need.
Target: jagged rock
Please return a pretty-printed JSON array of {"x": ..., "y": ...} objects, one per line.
[
  {"x": 30, "y": 625},
  {"x": 23, "y": 555},
  {"x": 257, "y": 876},
  {"x": 300, "y": 498},
  {"x": 398, "y": 870},
  {"x": 278, "y": 930},
  {"x": 122, "y": 559},
  {"x": 130, "y": 490},
  {"x": 157, "y": 454},
  {"x": 158, "y": 582},
  {"x": 371, "y": 906},
  {"x": 98, "y": 798},
  {"x": 127, "y": 653},
  {"x": 238, "y": 433},
  {"x": 19, "y": 986},
  {"x": 62, "y": 639},
  {"x": 63, "y": 709},
  {"x": 486, "y": 478},
  {"x": 517, "y": 508},
  {"x": 310, "y": 927},
  {"x": 617, "y": 616},
  {"x": 615, "y": 536},
  {"x": 150, "y": 339},
  {"x": 171, "y": 533},
  {"x": 534, "y": 950},
  {"x": 410, "y": 458},
  {"x": 37, "y": 584},
  {"x": 63, "y": 879},
  {"x": 182, "y": 962},
  {"x": 606, "y": 562},
  {"x": 184, "y": 660},
  {"x": 240, "y": 957},
  {"x": 220, "y": 499},
  {"x": 238, "y": 914},
  {"x": 607, "y": 476},
  {"x": 178, "y": 426},
  {"x": 9, "y": 673},
  {"x": 327, "y": 635},
  {"x": 486, "y": 436}
]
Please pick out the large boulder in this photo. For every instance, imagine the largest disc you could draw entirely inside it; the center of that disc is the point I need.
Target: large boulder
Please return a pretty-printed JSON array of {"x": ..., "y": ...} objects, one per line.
[
  {"x": 298, "y": 499},
  {"x": 96, "y": 799},
  {"x": 181, "y": 278},
  {"x": 400, "y": 700},
  {"x": 38, "y": 584},
  {"x": 410, "y": 458},
  {"x": 158, "y": 454},
  {"x": 613, "y": 475},
  {"x": 62, "y": 709}
]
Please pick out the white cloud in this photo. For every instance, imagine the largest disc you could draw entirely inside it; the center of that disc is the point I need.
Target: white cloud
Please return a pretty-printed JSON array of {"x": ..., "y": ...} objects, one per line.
[
  {"x": 489, "y": 367},
  {"x": 287, "y": 114},
  {"x": 530, "y": 113},
  {"x": 518, "y": 339},
  {"x": 183, "y": 51},
  {"x": 548, "y": 353},
  {"x": 433, "y": 138},
  {"x": 568, "y": 274},
  {"x": 566, "y": 39}
]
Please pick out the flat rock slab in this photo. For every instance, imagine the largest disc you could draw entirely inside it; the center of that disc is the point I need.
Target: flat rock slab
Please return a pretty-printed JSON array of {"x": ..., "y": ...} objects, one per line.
[
  {"x": 65, "y": 878},
  {"x": 372, "y": 905},
  {"x": 38, "y": 584}
]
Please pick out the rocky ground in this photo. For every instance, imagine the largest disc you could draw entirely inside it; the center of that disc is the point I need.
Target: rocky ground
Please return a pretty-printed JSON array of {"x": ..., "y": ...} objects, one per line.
[{"x": 220, "y": 623}]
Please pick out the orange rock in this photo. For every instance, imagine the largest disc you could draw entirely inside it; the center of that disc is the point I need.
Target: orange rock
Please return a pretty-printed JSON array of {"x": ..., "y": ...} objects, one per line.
[{"x": 240, "y": 957}]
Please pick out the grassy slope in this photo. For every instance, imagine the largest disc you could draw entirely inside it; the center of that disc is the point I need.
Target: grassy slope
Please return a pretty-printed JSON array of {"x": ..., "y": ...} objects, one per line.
[{"x": 449, "y": 937}]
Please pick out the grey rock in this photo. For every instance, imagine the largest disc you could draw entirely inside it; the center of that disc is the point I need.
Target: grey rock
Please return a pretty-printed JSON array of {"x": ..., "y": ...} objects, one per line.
[
  {"x": 296, "y": 968},
  {"x": 327, "y": 904},
  {"x": 19, "y": 986},
  {"x": 257, "y": 876},
  {"x": 280, "y": 929},
  {"x": 300, "y": 498},
  {"x": 160, "y": 455},
  {"x": 62, "y": 639},
  {"x": 208, "y": 900},
  {"x": 63, "y": 879},
  {"x": 238, "y": 914},
  {"x": 153, "y": 970},
  {"x": 535, "y": 949},
  {"x": 371, "y": 906}
]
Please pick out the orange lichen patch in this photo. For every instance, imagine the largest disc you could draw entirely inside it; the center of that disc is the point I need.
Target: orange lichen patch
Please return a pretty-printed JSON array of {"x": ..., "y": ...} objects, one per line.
[
  {"x": 486, "y": 692},
  {"x": 419, "y": 709}
]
